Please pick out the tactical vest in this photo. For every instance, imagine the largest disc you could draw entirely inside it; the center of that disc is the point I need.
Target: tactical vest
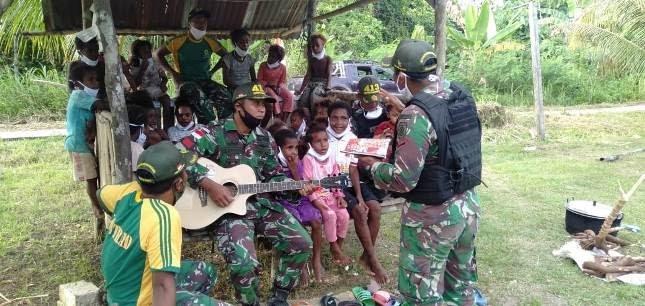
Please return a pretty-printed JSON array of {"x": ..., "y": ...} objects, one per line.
[{"x": 458, "y": 129}]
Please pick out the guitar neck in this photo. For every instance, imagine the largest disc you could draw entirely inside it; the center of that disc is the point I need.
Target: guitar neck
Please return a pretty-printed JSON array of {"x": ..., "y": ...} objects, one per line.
[{"x": 274, "y": 186}]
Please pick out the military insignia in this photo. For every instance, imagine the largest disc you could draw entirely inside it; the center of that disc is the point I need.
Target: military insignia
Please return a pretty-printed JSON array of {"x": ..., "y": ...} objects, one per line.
[
  {"x": 402, "y": 126},
  {"x": 257, "y": 89}
]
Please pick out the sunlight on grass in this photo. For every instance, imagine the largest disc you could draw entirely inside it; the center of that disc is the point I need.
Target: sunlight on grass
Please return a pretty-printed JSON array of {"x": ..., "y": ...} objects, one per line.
[{"x": 46, "y": 240}]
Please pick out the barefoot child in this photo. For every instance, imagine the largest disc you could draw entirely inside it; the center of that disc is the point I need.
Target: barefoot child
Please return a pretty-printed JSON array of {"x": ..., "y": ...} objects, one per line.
[
  {"x": 301, "y": 208},
  {"x": 318, "y": 76},
  {"x": 319, "y": 163},
  {"x": 273, "y": 76},
  {"x": 79, "y": 114}
]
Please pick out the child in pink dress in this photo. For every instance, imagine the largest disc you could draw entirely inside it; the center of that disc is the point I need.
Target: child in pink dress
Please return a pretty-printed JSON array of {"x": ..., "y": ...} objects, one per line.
[
  {"x": 273, "y": 76},
  {"x": 319, "y": 163}
]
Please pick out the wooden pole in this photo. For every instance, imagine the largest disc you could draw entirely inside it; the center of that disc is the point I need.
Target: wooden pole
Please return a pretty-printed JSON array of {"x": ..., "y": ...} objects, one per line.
[
  {"x": 537, "y": 70},
  {"x": 440, "y": 35},
  {"x": 86, "y": 13},
  {"x": 114, "y": 88},
  {"x": 331, "y": 14}
]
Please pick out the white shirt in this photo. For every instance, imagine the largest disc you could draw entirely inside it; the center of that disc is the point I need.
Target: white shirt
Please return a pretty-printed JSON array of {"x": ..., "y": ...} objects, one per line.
[{"x": 337, "y": 145}]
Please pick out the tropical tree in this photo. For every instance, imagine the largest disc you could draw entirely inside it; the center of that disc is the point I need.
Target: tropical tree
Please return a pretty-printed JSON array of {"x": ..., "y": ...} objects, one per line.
[
  {"x": 27, "y": 16},
  {"x": 615, "y": 33},
  {"x": 480, "y": 31}
]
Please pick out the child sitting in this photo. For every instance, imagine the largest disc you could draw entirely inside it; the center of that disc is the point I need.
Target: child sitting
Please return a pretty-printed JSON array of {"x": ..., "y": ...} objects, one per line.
[
  {"x": 298, "y": 121},
  {"x": 273, "y": 76},
  {"x": 79, "y": 114},
  {"x": 319, "y": 163},
  {"x": 386, "y": 129},
  {"x": 301, "y": 207},
  {"x": 152, "y": 130},
  {"x": 185, "y": 120},
  {"x": 148, "y": 76},
  {"x": 318, "y": 75}
]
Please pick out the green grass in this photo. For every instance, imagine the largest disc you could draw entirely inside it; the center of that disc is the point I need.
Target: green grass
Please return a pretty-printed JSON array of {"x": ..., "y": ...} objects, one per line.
[{"x": 46, "y": 240}]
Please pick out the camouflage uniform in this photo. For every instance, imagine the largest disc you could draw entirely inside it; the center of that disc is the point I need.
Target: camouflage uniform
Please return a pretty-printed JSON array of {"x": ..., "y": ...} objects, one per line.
[
  {"x": 210, "y": 99},
  {"x": 437, "y": 251},
  {"x": 235, "y": 234},
  {"x": 194, "y": 282}
]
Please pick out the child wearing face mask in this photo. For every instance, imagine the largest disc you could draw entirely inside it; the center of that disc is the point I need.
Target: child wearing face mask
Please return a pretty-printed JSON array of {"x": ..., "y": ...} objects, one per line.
[
  {"x": 318, "y": 163},
  {"x": 300, "y": 207},
  {"x": 319, "y": 69},
  {"x": 238, "y": 66},
  {"x": 273, "y": 76},
  {"x": 149, "y": 76},
  {"x": 79, "y": 115}
]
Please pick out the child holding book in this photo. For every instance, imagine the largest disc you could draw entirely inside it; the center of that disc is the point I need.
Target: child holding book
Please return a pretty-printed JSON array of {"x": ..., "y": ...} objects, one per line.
[
  {"x": 319, "y": 163},
  {"x": 301, "y": 207}
]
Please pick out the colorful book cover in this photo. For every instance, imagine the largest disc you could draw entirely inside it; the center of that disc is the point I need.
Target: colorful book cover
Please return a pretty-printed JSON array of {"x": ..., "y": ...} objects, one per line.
[{"x": 368, "y": 146}]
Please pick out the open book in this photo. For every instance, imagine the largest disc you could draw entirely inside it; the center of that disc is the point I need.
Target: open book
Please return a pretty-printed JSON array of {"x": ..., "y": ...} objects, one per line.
[{"x": 368, "y": 146}]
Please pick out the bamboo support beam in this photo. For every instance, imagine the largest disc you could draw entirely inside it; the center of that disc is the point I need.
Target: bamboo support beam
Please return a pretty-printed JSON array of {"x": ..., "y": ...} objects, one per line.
[{"x": 331, "y": 14}]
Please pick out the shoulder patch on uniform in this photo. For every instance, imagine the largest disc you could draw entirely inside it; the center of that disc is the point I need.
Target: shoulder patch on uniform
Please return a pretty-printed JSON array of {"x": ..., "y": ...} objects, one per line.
[
  {"x": 402, "y": 126},
  {"x": 405, "y": 116}
]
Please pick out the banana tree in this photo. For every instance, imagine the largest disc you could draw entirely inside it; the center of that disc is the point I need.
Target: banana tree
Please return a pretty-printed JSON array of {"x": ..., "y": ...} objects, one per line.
[{"x": 480, "y": 31}]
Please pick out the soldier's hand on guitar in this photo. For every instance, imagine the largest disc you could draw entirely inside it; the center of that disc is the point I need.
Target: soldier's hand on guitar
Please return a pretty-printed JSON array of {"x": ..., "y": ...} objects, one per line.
[{"x": 218, "y": 193}]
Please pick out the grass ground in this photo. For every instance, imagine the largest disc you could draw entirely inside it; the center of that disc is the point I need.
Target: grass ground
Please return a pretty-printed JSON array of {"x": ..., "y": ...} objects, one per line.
[{"x": 45, "y": 237}]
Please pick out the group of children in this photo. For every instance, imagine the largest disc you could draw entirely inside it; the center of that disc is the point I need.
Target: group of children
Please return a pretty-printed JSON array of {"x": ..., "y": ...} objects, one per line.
[{"x": 311, "y": 146}]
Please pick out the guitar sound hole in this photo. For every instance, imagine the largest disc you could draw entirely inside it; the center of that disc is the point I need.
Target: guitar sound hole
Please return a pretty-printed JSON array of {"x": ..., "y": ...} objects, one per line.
[{"x": 232, "y": 188}]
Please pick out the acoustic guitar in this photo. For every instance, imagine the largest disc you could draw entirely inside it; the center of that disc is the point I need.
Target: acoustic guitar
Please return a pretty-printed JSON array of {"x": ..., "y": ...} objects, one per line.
[{"x": 197, "y": 209}]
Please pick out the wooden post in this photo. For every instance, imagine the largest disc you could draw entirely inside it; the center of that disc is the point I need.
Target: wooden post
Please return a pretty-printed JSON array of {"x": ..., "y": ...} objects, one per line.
[
  {"x": 310, "y": 23},
  {"x": 16, "y": 57},
  {"x": 537, "y": 70},
  {"x": 86, "y": 13},
  {"x": 440, "y": 35},
  {"x": 113, "y": 72}
]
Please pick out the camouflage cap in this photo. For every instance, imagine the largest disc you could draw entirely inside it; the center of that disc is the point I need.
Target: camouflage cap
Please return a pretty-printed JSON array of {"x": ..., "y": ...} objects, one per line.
[
  {"x": 161, "y": 162},
  {"x": 253, "y": 91},
  {"x": 414, "y": 56},
  {"x": 369, "y": 87}
]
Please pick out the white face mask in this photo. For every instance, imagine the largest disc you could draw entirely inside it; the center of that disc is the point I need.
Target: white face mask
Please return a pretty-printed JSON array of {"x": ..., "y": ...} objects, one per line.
[
  {"x": 274, "y": 65},
  {"x": 332, "y": 133},
  {"x": 88, "y": 61},
  {"x": 240, "y": 52},
  {"x": 282, "y": 159},
  {"x": 406, "y": 94},
  {"x": 320, "y": 55},
  {"x": 197, "y": 33},
  {"x": 319, "y": 157},
  {"x": 142, "y": 137},
  {"x": 375, "y": 113},
  {"x": 90, "y": 91},
  {"x": 185, "y": 128}
]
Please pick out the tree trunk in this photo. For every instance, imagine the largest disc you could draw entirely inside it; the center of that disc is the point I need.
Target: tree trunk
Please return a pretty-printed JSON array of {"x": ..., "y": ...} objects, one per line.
[
  {"x": 440, "y": 34},
  {"x": 114, "y": 88}
]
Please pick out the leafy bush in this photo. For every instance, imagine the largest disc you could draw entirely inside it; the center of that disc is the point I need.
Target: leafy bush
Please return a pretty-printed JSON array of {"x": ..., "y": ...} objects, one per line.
[{"x": 23, "y": 95}]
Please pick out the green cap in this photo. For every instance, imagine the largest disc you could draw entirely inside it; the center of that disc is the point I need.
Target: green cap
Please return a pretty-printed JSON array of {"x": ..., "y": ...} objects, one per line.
[
  {"x": 414, "y": 56},
  {"x": 161, "y": 162},
  {"x": 253, "y": 91},
  {"x": 369, "y": 87}
]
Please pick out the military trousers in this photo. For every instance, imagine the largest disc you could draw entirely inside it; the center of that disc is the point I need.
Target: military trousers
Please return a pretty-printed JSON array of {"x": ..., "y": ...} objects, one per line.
[
  {"x": 437, "y": 263},
  {"x": 194, "y": 282},
  {"x": 235, "y": 240}
]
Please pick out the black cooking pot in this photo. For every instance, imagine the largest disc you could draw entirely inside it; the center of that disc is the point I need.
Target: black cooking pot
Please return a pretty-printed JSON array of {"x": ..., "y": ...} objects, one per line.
[{"x": 582, "y": 215}]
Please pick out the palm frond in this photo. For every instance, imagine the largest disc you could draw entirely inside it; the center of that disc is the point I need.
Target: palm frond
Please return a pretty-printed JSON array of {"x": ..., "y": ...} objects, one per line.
[{"x": 615, "y": 32}]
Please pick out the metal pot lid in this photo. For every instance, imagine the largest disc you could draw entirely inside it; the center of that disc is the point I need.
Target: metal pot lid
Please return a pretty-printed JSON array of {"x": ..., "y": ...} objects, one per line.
[{"x": 591, "y": 209}]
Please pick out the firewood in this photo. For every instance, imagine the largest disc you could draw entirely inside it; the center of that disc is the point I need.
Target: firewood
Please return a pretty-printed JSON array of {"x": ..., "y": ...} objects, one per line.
[{"x": 618, "y": 206}]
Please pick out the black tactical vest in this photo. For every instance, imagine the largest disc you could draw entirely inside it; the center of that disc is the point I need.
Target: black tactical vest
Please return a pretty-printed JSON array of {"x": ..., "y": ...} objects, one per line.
[{"x": 458, "y": 129}]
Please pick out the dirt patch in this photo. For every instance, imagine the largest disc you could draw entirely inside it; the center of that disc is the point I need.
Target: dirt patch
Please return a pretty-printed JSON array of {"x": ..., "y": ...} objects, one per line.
[{"x": 31, "y": 126}]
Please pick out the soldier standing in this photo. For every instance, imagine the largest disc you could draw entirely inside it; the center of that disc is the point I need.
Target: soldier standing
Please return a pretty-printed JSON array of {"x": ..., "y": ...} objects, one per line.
[
  {"x": 436, "y": 165},
  {"x": 240, "y": 140}
]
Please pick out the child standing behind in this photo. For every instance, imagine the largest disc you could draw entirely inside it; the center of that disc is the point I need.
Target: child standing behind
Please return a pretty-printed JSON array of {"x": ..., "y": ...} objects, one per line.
[
  {"x": 301, "y": 208},
  {"x": 79, "y": 114},
  {"x": 150, "y": 77},
  {"x": 273, "y": 76},
  {"x": 238, "y": 66},
  {"x": 319, "y": 163},
  {"x": 319, "y": 71}
]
